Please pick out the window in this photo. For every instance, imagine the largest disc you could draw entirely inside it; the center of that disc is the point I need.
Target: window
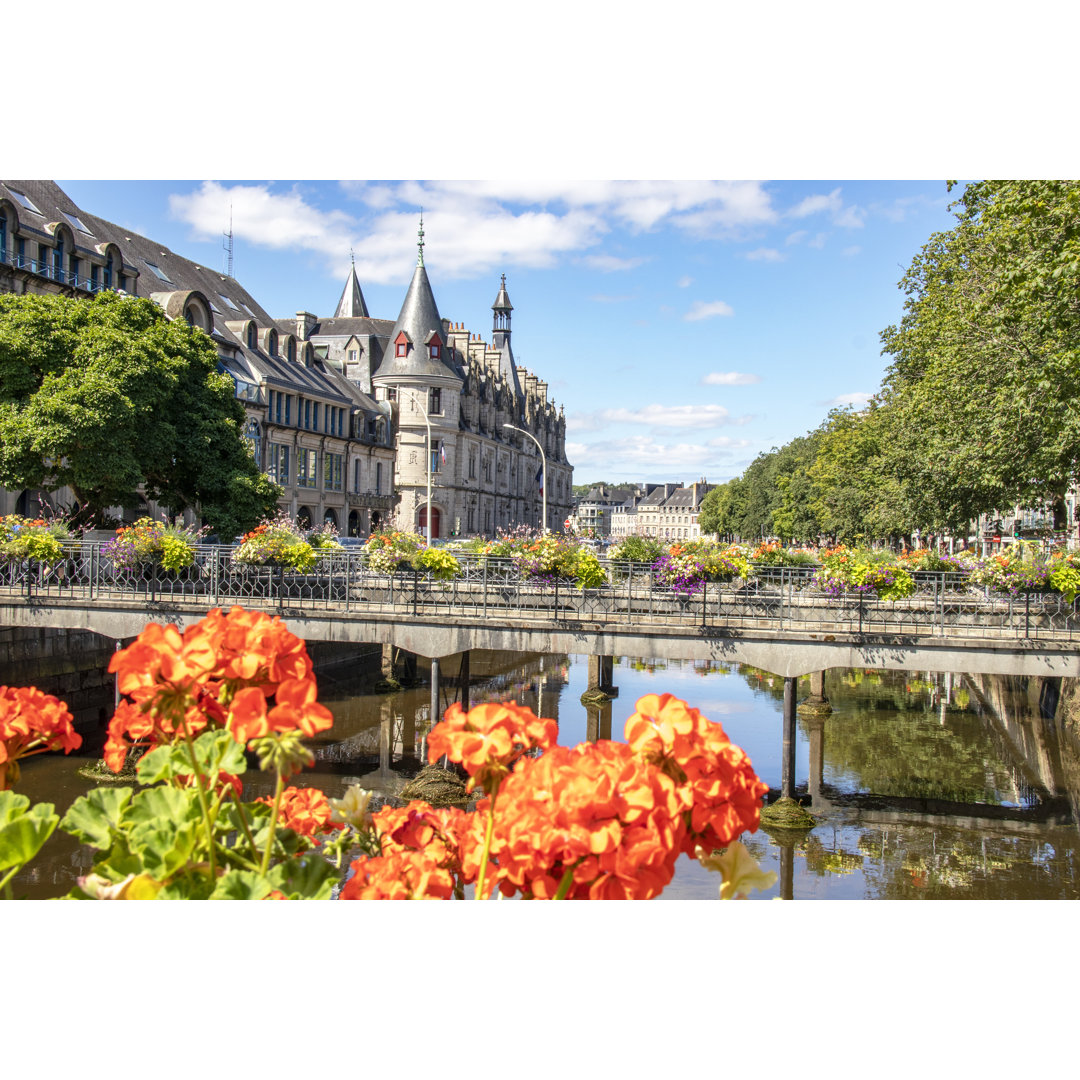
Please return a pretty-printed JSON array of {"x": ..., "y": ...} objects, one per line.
[
  {"x": 107, "y": 277},
  {"x": 253, "y": 435},
  {"x": 391, "y": 393},
  {"x": 288, "y": 408},
  {"x": 251, "y": 336},
  {"x": 472, "y": 469},
  {"x": 278, "y": 465},
  {"x": 74, "y": 220},
  {"x": 43, "y": 260},
  {"x": 160, "y": 273},
  {"x": 307, "y": 414},
  {"x": 352, "y": 356},
  {"x": 93, "y": 277},
  {"x": 307, "y": 468},
  {"x": 438, "y": 456},
  {"x": 433, "y": 350},
  {"x": 228, "y": 303},
  {"x": 58, "y": 260},
  {"x": 291, "y": 352},
  {"x": 23, "y": 201},
  {"x": 123, "y": 282},
  {"x": 73, "y": 262},
  {"x": 271, "y": 343},
  {"x": 435, "y": 401},
  {"x": 400, "y": 349},
  {"x": 333, "y": 470},
  {"x": 356, "y": 475},
  {"x": 378, "y": 477},
  {"x": 3, "y": 236},
  {"x": 315, "y": 416}
]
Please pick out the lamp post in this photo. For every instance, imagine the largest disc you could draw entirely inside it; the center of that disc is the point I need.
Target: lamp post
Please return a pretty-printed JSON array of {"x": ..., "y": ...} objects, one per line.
[
  {"x": 543, "y": 471},
  {"x": 427, "y": 424}
]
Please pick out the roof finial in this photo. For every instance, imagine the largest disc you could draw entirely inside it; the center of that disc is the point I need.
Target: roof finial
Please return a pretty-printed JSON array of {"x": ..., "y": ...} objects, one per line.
[
  {"x": 420, "y": 257},
  {"x": 352, "y": 258}
]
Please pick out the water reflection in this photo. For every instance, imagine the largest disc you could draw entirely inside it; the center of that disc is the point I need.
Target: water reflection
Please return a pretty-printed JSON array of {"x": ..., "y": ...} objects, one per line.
[{"x": 924, "y": 786}]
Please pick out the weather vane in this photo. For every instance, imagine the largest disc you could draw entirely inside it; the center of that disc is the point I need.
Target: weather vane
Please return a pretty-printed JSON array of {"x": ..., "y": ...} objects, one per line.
[{"x": 420, "y": 257}]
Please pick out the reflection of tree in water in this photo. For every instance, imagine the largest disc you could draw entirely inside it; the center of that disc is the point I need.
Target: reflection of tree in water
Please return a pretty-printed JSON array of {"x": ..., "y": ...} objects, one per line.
[{"x": 905, "y": 863}]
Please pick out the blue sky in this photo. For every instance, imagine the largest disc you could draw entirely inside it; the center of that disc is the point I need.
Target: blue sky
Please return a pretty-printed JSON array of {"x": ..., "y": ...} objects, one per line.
[{"x": 684, "y": 326}]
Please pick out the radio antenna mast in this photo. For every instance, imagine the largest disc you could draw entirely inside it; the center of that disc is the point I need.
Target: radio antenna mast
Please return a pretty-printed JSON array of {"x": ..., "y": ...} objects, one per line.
[{"x": 227, "y": 244}]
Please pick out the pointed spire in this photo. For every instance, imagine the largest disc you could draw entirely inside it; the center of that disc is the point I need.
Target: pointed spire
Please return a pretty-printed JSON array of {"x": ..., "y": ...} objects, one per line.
[{"x": 351, "y": 305}]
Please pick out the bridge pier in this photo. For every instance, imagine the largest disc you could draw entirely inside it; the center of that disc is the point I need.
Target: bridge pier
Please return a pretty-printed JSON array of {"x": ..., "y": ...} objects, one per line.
[
  {"x": 816, "y": 703},
  {"x": 816, "y": 730},
  {"x": 787, "y": 771},
  {"x": 434, "y": 714},
  {"x": 463, "y": 680},
  {"x": 398, "y": 669},
  {"x": 598, "y": 721},
  {"x": 601, "y": 674}
]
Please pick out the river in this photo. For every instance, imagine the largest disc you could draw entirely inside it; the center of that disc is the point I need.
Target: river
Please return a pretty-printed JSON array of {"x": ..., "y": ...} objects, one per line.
[{"x": 923, "y": 786}]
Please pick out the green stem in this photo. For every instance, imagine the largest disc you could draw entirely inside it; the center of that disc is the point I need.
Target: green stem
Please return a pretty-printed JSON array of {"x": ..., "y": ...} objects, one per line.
[
  {"x": 564, "y": 885},
  {"x": 487, "y": 849},
  {"x": 244, "y": 823},
  {"x": 273, "y": 825},
  {"x": 4, "y": 886},
  {"x": 201, "y": 789}
]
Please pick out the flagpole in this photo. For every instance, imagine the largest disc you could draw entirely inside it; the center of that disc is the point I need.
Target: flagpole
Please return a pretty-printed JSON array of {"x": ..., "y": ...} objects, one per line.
[
  {"x": 427, "y": 424},
  {"x": 543, "y": 471}
]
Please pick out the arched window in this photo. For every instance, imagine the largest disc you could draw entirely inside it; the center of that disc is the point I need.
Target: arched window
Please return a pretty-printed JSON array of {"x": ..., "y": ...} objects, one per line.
[
  {"x": 107, "y": 278},
  {"x": 271, "y": 343},
  {"x": 251, "y": 336},
  {"x": 291, "y": 352}
]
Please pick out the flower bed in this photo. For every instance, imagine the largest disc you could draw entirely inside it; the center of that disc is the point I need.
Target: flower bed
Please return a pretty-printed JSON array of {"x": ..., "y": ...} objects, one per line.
[
  {"x": 153, "y": 543},
  {"x": 544, "y": 558},
  {"x": 35, "y": 541},
  {"x": 688, "y": 566},
  {"x": 845, "y": 571},
  {"x": 281, "y": 541},
  {"x": 393, "y": 550}
]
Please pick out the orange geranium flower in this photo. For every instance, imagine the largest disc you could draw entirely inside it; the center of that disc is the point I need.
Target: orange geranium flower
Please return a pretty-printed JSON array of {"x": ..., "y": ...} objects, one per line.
[
  {"x": 304, "y": 810},
  {"x": 31, "y": 722},
  {"x": 223, "y": 670},
  {"x": 488, "y": 739}
]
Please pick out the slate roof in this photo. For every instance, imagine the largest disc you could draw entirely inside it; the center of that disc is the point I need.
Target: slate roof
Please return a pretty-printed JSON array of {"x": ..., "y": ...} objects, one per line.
[
  {"x": 351, "y": 303},
  {"x": 419, "y": 317}
]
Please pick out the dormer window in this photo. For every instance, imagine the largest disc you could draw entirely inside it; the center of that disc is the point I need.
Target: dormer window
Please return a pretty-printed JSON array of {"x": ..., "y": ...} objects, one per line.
[
  {"x": 251, "y": 336},
  {"x": 402, "y": 344},
  {"x": 400, "y": 348},
  {"x": 433, "y": 350},
  {"x": 271, "y": 343},
  {"x": 292, "y": 351}
]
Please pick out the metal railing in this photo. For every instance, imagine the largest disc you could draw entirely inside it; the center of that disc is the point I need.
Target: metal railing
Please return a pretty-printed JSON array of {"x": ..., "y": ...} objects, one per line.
[{"x": 492, "y": 589}]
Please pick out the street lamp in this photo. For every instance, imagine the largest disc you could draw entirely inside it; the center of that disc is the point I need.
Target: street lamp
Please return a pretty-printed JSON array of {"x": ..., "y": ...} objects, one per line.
[
  {"x": 543, "y": 470},
  {"x": 427, "y": 424}
]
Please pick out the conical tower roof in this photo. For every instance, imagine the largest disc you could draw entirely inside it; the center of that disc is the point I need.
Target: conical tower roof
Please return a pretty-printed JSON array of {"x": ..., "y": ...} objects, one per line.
[
  {"x": 419, "y": 319},
  {"x": 351, "y": 304},
  {"x": 502, "y": 301}
]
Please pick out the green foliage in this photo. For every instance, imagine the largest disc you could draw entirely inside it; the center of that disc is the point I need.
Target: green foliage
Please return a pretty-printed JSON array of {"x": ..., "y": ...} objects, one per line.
[
  {"x": 23, "y": 832},
  {"x": 638, "y": 549},
  {"x": 107, "y": 395},
  {"x": 439, "y": 563},
  {"x": 276, "y": 542},
  {"x": 986, "y": 360},
  {"x": 38, "y": 540}
]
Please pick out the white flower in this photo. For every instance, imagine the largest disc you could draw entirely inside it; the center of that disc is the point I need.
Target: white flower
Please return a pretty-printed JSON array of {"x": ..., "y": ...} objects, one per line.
[
  {"x": 352, "y": 809},
  {"x": 739, "y": 869}
]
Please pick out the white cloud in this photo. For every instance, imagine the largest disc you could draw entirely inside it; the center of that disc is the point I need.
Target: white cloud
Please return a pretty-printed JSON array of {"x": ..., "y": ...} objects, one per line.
[
  {"x": 850, "y": 251},
  {"x": 725, "y": 441},
  {"x": 816, "y": 204},
  {"x": 608, "y": 263},
  {"x": 818, "y": 241},
  {"x": 853, "y": 217},
  {"x": 730, "y": 378},
  {"x": 796, "y": 237},
  {"x": 638, "y": 454},
  {"x": 858, "y": 399},
  {"x": 685, "y": 282},
  {"x": 703, "y": 310},
  {"x": 765, "y": 255},
  {"x": 653, "y": 416}
]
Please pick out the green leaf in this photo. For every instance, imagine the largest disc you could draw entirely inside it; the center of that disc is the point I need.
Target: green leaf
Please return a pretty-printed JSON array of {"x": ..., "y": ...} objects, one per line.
[
  {"x": 242, "y": 885},
  {"x": 304, "y": 877},
  {"x": 215, "y": 751},
  {"x": 23, "y": 831},
  {"x": 94, "y": 818}
]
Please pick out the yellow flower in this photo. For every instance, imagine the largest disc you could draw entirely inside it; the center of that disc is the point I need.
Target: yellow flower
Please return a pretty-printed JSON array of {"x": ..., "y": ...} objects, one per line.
[
  {"x": 739, "y": 870},
  {"x": 352, "y": 809}
]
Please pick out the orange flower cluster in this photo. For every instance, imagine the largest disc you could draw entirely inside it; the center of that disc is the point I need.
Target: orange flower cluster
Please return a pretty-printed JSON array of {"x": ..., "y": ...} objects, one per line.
[
  {"x": 488, "y": 739},
  {"x": 31, "y": 722},
  {"x": 603, "y": 820},
  {"x": 425, "y": 853},
  {"x": 221, "y": 670},
  {"x": 304, "y": 810}
]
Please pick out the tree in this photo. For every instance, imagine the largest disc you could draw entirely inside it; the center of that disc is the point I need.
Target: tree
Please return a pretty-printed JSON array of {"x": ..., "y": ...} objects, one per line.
[
  {"x": 986, "y": 360},
  {"x": 107, "y": 396},
  {"x": 722, "y": 509}
]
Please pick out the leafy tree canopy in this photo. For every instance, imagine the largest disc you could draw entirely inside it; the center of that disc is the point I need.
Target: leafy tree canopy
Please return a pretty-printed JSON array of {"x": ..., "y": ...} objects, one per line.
[
  {"x": 107, "y": 395},
  {"x": 986, "y": 360}
]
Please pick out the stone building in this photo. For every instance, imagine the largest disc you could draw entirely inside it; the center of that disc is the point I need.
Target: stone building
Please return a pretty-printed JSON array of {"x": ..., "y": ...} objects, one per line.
[
  {"x": 455, "y": 400},
  {"x": 594, "y": 511},
  {"x": 663, "y": 511}
]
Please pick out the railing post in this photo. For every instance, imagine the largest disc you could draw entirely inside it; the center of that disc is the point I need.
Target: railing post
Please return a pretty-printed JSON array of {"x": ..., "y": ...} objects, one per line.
[
  {"x": 704, "y": 602},
  {"x": 348, "y": 576},
  {"x": 485, "y": 587},
  {"x": 1027, "y": 610},
  {"x": 415, "y": 587},
  {"x": 781, "y": 598}
]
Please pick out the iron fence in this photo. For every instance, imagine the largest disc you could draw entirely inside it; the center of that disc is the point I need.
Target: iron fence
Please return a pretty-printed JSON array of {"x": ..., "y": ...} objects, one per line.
[{"x": 492, "y": 589}]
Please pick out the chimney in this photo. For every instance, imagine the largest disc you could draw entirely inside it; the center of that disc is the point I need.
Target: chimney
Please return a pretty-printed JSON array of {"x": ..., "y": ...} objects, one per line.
[{"x": 305, "y": 322}]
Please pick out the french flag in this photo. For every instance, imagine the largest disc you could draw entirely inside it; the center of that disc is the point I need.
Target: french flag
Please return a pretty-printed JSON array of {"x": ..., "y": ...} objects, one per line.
[
  {"x": 540, "y": 479},
  {"x": 442, "y": 453}
]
